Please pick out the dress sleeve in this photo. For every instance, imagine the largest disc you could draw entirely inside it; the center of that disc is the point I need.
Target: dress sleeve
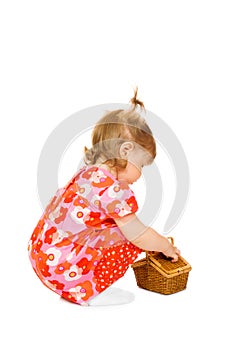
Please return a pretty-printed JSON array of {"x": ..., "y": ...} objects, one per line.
[{"x": 118, "y": 200}]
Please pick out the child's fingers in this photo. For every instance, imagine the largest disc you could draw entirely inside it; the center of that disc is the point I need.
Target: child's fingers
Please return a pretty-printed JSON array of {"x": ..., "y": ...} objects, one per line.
[
  {"x": 175, "y": 258},
  {"x": 176, "y": 255}
]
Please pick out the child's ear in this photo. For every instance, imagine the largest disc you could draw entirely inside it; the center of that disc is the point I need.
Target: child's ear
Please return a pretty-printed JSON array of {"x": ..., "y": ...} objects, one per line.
[{"x": 125, "y": 149}]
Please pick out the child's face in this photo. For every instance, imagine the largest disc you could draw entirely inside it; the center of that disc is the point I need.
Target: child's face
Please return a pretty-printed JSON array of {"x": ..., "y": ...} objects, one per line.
[{"x": 136, "y": 161}]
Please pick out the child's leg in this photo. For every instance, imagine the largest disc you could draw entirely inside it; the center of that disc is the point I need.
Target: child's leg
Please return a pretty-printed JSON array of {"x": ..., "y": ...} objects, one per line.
[
  {"x": 113, "y": 265},
  {"x": 112, "y": 296}
]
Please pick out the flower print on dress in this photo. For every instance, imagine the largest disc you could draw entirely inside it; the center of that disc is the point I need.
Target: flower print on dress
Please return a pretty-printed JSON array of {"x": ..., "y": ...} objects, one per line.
[
  {"x": 86, "y": 287},
  {"x": 89, "y": 237},
  {"x": 59, "y": 235},
  {"x": 38, "y": 231},
  {"x": 54, "y": 285},
  {"x": 41, "y": 265},
  {"x": 118, "y": 208},
  {"x": 77, "y": 248},
  {"x": 54, "y": 202},
  {"x": 54, "y": 236},
  {"x": 44, "y": 271},
  {"x": 93, "y": 253},
  {"x": 88, "y": 173},
  {"x": 81, "y": 201},
  {"x": 53, "y": 256},
  {"x": 95, "y": 200},
  {"x": 79, "y": 214},
  {"x": 70, "y": 193},
  {"x": 98, "y": 176},
  {"x": 66, "y": 240},
  {"x": 83, "y": 257},
  {"x": 93, "y": 219},
  {"x": 132, "y": 203},
  {"x": 84, "y": 190},
  {"x": 111, "y": 237},
  {"x": 99, "y": 179},
  {"x": 115, "y": 191},
  {"x": 77, "y": 293},
  {"x": 70, "y": 256},
  {"x": 68, "y": 296},
  {"x": 58, "y": 215},
  {"x": 38, "y": 245},
  {"x": 61, "y": 268},
  {"x": 85, "y": 265},
  {"x": 48, "y": 237},
  {"x": 74, "y": 273},
  {"x": 82, "y": 292},
  {"x": 36, "y": 249}
]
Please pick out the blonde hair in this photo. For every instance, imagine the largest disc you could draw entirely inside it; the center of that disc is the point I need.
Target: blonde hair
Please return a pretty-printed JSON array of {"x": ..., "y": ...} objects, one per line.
[{"x": 116, "y": 127}]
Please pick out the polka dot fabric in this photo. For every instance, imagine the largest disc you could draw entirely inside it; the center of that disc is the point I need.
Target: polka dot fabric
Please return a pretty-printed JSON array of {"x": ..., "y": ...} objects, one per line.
[
  {"x": 114, "y": 263},
  {"x": 76, "y": 249}
]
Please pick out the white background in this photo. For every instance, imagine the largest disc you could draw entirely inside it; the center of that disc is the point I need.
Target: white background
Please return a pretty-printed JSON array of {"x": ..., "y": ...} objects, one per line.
[{"x": 58, "y": 57}]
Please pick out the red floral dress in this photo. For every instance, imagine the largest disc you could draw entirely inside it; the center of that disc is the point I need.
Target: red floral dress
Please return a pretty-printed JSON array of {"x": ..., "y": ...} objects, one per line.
[{"x": 76, "y": 249}]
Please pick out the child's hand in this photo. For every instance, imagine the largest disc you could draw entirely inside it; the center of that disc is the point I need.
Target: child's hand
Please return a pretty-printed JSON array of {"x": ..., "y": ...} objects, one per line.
[{"x": 172, "y": 252}]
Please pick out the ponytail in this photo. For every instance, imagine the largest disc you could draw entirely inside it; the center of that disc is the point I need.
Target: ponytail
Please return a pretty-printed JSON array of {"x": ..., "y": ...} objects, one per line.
[{"x": 135, "y": 102}]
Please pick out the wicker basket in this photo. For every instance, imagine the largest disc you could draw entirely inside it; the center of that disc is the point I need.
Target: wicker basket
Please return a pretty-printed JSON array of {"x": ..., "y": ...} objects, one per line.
[{"x": 158, "y": 274}]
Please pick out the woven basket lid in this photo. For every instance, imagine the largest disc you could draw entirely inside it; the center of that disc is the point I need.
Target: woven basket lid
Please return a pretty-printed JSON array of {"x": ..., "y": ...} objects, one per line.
[{"x": 165, "y": 265}]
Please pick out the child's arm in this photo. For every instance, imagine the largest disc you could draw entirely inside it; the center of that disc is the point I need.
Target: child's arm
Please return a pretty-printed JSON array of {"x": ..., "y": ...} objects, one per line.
[{"x": 145, "y": 237}]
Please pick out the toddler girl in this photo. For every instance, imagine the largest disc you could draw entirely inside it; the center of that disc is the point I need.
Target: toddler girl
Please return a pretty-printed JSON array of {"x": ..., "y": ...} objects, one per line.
[{"x": 89, "y": 233}]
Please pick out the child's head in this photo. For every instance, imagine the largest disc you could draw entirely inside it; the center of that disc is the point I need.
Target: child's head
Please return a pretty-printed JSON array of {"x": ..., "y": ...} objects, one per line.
[{"x": 122, "y": 139}]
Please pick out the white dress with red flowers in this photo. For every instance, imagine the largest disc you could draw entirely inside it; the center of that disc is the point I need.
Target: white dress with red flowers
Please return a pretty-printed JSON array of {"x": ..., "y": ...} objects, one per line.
[{"x": 76, "y": 249}]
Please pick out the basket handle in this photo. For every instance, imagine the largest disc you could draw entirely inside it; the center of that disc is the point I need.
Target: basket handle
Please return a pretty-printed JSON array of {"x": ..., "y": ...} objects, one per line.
[{"x": 148, "y": 253}]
